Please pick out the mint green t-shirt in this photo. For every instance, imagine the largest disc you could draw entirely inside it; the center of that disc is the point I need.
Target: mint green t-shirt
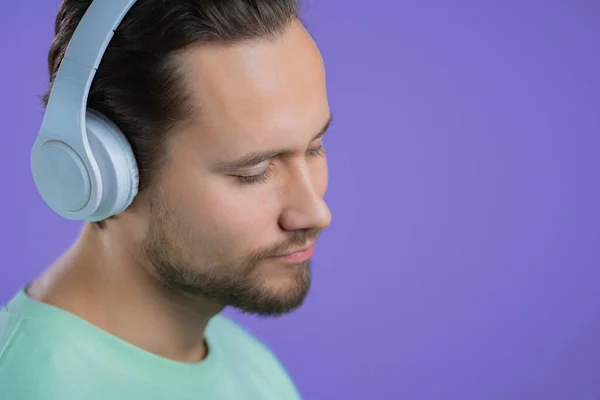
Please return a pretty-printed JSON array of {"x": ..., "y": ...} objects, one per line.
[{"x": 47, "y": 353}]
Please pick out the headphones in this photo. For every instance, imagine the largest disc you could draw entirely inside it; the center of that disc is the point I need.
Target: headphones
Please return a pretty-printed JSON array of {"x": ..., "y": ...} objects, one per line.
[{"x": 82, "y": 164}]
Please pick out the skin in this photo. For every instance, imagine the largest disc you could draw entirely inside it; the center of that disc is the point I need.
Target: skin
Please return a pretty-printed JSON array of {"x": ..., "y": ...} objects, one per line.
[{"x": 202, "y": 238}]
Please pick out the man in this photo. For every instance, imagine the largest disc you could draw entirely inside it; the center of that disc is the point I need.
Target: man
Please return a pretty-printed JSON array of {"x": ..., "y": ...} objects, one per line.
[{"x": 224, "y": 105}]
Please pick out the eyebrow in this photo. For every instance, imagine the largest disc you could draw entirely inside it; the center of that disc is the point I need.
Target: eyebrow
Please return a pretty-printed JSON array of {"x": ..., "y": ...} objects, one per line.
[{"x": 255, "y": 158}]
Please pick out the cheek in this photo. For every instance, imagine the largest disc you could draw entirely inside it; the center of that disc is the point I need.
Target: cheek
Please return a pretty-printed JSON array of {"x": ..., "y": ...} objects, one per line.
[{"x": 229, "y": 216}]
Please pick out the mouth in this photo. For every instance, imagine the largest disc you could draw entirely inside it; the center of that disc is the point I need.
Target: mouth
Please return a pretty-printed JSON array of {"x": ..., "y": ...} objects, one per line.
[{"x": 297, "y": 256}]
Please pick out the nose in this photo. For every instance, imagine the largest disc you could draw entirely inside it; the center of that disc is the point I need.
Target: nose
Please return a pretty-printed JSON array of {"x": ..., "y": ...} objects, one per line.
[{"x": 305, "y": 207}]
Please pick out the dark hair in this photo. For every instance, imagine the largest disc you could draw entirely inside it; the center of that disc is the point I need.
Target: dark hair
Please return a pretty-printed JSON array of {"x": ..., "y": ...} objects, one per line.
[{"x": 139, "y": 84}]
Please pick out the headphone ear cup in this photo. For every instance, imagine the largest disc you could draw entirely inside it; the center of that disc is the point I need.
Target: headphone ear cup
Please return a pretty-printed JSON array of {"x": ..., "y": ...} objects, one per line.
[{"x": 117, "y": 164}]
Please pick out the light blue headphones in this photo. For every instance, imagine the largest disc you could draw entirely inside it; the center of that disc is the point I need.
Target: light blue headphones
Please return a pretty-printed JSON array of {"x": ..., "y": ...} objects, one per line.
[{"x": 82, "y": 164}]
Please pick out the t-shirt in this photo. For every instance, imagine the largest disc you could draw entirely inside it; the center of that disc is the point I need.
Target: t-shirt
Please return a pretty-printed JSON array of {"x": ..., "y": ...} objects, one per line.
[{"x": 47, "y": 353}]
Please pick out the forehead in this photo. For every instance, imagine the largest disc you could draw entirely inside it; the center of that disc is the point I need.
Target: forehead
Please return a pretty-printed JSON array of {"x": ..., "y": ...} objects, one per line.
[{"x": 257, "y": 93}]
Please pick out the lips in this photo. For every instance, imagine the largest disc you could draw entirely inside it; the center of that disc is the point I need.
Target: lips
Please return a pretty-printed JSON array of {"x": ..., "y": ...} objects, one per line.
[{"x": 297, "y": 255}]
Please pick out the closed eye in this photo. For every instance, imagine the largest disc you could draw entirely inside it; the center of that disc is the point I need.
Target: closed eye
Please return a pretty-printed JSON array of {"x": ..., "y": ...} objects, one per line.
[
  {"x": 317, "y": 151},
  {"x": 264, "y": 176}
]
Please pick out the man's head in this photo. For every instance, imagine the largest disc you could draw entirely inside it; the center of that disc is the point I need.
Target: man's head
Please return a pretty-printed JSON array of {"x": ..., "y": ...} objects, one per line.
[{"x": 223, "y": 102}]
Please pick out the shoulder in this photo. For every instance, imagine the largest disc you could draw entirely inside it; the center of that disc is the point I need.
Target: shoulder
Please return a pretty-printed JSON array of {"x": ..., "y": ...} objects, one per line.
[{"x": 25, "y": 360}]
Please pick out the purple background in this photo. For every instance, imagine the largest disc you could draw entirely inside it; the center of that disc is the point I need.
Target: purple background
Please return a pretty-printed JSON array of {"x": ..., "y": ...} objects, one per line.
[{"x": 463, "y": 261}]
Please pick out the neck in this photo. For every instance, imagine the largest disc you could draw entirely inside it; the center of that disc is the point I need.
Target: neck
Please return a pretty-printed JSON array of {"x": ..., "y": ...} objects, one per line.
[{"x": 102, "y": 281}]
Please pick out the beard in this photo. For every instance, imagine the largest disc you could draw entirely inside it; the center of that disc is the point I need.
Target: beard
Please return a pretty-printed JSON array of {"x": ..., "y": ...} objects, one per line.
[
  {"x": 245, "y": 290},
  {"x": 238, "y": 282}
]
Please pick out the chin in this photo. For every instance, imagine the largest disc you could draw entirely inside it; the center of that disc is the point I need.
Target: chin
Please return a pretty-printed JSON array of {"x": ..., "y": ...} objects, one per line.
[
  {"x": 277, "y": 294},
  {"x": 285, "y": 278},
  {"x": 275, "y": 306}
]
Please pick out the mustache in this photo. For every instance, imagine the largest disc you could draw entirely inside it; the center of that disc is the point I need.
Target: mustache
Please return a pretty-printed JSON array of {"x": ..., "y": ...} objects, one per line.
[{"x": 294, "y": 241}]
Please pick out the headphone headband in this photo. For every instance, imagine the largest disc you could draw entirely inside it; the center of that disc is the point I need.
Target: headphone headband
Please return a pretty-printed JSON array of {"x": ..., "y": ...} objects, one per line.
[
  {"x": 83, "y": 55},
  {"x": 96, "y": 29}
]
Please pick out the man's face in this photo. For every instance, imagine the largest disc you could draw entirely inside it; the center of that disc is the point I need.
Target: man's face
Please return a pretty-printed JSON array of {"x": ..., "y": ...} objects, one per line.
[{"x": 214, "y": 227}]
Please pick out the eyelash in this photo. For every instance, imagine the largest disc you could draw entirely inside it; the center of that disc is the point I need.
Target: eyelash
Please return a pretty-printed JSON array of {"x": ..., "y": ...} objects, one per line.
[{"x": 263, "y": 177}]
